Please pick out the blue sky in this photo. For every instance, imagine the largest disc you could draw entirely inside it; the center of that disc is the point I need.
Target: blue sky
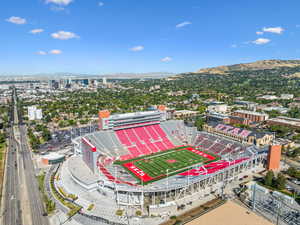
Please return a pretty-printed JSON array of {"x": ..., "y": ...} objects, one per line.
[{"x": 108, "y": 36}]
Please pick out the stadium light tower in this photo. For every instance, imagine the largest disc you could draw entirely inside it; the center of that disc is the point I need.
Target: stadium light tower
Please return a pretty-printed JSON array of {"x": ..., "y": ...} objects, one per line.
[{"x": 167, "y": 186}]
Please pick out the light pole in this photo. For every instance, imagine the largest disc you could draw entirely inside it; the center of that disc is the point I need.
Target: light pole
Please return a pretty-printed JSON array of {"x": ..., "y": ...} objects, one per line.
[{"x": 167, "y": 186}]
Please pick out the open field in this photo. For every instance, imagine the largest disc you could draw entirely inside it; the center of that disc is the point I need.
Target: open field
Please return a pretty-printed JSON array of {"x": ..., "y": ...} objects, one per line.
[
  {"x": 157, "y": 166},
  {"x": 230, "y": 214}
]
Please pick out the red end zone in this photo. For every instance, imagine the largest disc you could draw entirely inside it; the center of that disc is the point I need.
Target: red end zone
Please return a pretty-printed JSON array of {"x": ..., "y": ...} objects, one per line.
[{"x": 137, "y": 172}]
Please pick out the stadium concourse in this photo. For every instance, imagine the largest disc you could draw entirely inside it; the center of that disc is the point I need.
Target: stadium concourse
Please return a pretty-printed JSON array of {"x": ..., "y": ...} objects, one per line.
[{"x": 144, "y": 161}]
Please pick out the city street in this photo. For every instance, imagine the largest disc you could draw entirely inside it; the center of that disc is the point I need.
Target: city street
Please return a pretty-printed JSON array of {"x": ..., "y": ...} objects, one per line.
[{"x": 20, "y": 173}]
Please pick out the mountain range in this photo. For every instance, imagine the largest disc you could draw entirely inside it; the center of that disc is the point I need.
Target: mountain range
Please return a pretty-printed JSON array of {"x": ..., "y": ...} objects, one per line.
[{"x": 257, "y": 65}]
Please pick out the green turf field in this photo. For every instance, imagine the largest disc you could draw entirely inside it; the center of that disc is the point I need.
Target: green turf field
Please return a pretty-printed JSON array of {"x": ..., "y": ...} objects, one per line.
[
  {"x": 165, "y": 163},
  {"x": 158, "y": 165}
]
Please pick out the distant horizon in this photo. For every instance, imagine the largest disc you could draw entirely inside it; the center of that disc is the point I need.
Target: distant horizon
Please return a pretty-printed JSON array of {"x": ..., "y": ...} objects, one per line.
[{"x": 131, "y": 73}]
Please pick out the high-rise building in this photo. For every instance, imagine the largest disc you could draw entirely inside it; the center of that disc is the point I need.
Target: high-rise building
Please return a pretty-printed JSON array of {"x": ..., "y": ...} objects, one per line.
[
  {"x": 85, "y": 82},
  {"x": 34, "y": 113},
  {"x": 53, "y": 84},
  {"x": 39, "y": 114},
  {"x": 31, "y": 112},
  {"x": 104, "y": 81}
]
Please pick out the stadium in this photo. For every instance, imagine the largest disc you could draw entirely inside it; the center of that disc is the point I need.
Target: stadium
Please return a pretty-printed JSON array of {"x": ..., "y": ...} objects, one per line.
[{"x": 148, "y": 162}]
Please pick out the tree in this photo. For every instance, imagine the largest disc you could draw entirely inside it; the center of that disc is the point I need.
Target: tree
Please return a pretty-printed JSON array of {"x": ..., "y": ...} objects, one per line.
[
  {"x": 293, "y": 172},
  {"x": 280, "y": 182},
  {"x": 199, "y": 123},
  {"x": 268, "y": 180}
]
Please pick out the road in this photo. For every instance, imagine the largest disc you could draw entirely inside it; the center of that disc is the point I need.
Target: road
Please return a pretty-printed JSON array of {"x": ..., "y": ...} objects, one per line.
[
  {"x": 20, "y": 170},
  {"x": 36, "y": 204},
  {"x": 12, "y": 210}
]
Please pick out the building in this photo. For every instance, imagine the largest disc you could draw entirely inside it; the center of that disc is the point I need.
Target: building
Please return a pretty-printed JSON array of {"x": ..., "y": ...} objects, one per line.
[
  {"x": 220, "y": 108},
  {"x": 31, "y": 112},
  {"x": 294, "y": 105},
  {"x": 227, "y": 119},
  {"x": 276, "y": 108},
  {"x": 53, "y": 84},
  {"x": 125, "y": 138},
  {"x": 108, "y": 121},
  {"x": 284, "y": 121},
  {"x": 53, "y": 158},
  {"x": 242, "y": 135},
  {"x": 285, "y": 143},
  {"x": 104, "y": 81},
  {"x": 85, "y": 82},
  {"x": 253, "y": 116},
  {"x": 274, "y": 157},
  {"x": 239, "y": 120},
  {"x": 34, "y": 113},
  {"x": 247, "y": 104},
  {"x": 286, "y": 96},
  {"x": 268, "y": 97},
  {"x": 218, "y": 118},
  {"x": 38, "y": 114},
  {"x": 182, "y": 114}
]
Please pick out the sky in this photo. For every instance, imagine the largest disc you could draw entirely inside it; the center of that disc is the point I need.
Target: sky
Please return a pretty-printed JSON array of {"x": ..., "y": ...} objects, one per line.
[{"x": 112, "y": 36}]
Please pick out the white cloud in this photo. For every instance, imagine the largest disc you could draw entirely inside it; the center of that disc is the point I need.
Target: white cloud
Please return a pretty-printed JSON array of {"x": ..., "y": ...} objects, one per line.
[
  {"x": 183, "y": 24},
  {"x": 59, "y": 2},
  {"x": 137, "y": 48},
  {"x": 64, "y": 35},
  {"x": 36, "y": 31},
  {"x": 261, "y": 41},
  {"x": 57, "y": 8},
  {"x": 233, "y": 46},
  {"x": 16, "y": 20},
  {"x": 55, "y": 52},
  {"x": 101, "y": 4},
  {"x": 166, "y": 59},
  {"x": 41, "y": 53},
  {"x": 259, "y": 32},
  {"x": 275, "y": 30}
]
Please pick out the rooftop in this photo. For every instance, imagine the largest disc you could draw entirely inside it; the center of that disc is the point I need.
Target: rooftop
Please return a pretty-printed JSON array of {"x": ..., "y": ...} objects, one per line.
[
  {"x": 80, "y": 170},
  {"x": 133, "y": 114},
  {"x": 53, "y": 156},
  {"x": 251, "y": 112},
  {"x": 286, "y": 120}
]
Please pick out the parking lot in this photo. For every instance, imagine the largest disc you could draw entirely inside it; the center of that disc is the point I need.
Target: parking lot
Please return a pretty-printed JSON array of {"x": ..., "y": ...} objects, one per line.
[{"x": 63, "y": 138}]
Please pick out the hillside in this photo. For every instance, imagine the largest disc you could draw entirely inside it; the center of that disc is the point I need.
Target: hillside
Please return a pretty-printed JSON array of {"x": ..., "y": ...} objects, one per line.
[{"x": 258, "y": 65}]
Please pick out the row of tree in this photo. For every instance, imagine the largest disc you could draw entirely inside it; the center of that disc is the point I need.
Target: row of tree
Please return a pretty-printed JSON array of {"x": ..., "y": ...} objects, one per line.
[{"x": 271, "y": 180}]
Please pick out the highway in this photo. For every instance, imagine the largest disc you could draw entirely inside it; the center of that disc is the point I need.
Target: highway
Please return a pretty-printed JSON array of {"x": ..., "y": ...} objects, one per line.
[
  {"x": 36, "y": 204},
  {"x": 12, "y": 211},
  {"x": 20, "y": 170}
]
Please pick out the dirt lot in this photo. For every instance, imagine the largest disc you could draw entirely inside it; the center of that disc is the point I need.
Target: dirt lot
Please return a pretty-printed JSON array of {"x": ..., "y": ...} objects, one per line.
[{"x": 230, "y": 214}]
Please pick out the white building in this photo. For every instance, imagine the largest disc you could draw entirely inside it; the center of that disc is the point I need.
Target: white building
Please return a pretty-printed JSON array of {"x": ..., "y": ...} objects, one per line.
[
  {"x": 39, "y": 114},
  {"x": 268, "y": 97},
  {"x": 34, "y": 113},
  {"x": 218, "y": 108},
  {"x": 104, "y": 80},
  {"x": 286, "y": 96},
  {"x": 31, "y": 112}
]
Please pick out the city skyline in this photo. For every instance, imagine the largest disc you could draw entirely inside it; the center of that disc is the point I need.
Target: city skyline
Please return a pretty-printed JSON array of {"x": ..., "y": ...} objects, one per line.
[{"x": 101, "y": 37}]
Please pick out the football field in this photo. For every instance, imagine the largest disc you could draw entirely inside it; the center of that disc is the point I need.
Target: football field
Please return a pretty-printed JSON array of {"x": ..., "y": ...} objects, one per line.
[{"x": 167, "y": 163}]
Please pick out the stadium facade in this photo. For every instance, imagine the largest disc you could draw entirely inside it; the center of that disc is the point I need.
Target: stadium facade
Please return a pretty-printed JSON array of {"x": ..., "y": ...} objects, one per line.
[{"x": 132, "y": 137}]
